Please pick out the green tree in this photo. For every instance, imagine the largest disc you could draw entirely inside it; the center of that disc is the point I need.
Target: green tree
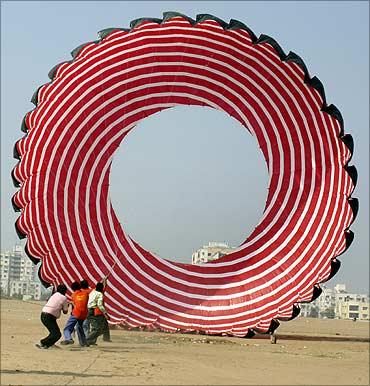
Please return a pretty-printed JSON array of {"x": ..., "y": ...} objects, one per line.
[
  {"x": 17, "y": 296},
  {"x": 329, "y": 313},
  {"x": 314, "y": 312}
]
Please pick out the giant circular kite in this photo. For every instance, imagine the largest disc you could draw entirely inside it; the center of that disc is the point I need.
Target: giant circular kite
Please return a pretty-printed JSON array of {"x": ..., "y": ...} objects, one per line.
[{"x": 92, "y": 103}]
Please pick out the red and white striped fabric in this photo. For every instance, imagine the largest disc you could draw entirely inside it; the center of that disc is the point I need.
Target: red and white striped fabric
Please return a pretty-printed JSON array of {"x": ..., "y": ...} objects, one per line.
[{"x": 92, "y": 103}]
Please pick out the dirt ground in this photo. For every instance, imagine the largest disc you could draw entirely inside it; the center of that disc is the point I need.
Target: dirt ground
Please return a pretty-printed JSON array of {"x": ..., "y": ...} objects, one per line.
[{"x": 147, "y": 358}]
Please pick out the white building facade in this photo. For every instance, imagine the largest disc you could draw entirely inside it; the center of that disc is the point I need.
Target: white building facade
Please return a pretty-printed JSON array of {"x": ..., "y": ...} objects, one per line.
[
  {"x": 19, "y": 275},
  {"x": 213, "y": 251},
  {"x": 10, "y": 263},
  {"x": 25, "y": 289},
  {"x": 339, "y": 304}
]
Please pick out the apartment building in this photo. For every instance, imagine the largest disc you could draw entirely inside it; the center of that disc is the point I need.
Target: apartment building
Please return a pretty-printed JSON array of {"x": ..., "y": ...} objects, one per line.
[
  {"x": 213, "y": 251},
  {"x": 25, "y": 289},
  {"x": 338, "y": 303},
  {"x": 10, "y": 263},
  {"x": 19, "y": 275}
]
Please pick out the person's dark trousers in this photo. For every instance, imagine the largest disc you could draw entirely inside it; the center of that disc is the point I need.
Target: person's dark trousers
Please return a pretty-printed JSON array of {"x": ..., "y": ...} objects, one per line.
[
  {"x": 96, "y": 328},
  {"x": 106, "y": 332},
  {"x": 86, "y": 326},
  {"x": 50, "y": 322}
]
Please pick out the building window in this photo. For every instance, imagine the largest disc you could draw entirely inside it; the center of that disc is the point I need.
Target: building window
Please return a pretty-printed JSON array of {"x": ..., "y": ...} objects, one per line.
[{"x": 353, "y": 308}]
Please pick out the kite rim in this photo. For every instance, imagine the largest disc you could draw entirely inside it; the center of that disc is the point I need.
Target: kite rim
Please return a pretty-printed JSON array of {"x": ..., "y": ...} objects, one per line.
[{"x": 313, "y": 82}]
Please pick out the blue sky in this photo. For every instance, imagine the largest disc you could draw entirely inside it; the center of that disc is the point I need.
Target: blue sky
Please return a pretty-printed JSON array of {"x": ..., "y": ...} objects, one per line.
[{"x": 191, "y": 188}]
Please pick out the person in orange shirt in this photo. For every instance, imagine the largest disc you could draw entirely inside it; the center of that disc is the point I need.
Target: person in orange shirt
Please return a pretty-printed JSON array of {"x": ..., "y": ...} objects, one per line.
[
  {"x": 77, "y": 317},
  {"x": 86, "y": 288}
]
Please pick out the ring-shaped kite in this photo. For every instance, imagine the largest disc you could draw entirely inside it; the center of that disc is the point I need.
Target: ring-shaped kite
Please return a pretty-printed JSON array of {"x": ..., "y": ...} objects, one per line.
[{"x": 92, "y": 103}]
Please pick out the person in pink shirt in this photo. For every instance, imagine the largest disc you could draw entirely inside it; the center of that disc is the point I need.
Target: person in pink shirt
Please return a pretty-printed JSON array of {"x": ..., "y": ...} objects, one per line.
[{"x": 50, "y": 313}]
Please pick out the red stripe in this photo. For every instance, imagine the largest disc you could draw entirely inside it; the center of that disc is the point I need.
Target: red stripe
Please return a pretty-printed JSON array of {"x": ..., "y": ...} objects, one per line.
[{"x": 261, "y": 281}]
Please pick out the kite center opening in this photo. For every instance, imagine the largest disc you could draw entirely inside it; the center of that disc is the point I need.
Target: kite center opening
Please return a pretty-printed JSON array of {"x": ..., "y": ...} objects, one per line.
[{"x": 185, "y": 177}]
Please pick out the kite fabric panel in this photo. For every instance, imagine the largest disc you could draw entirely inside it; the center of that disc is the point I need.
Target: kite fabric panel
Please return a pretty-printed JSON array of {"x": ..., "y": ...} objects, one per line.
[{"x": 93, "y": 101}]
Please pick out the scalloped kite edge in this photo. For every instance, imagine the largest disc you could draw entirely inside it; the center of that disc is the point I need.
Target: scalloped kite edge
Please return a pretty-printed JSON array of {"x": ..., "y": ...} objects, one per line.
[{"x": 313, "y": 82}]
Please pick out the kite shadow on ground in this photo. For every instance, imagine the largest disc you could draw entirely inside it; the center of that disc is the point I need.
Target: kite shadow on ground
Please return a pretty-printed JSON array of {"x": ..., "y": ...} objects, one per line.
[{"x": 60, "y": 373}]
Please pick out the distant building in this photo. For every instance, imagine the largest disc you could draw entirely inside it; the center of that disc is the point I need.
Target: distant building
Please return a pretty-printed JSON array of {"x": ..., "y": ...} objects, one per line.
[
  {"x": 353, "y": 310},
  {"x": 213, "y": 251},
  {"x": 10, "y": 267},
  {"x": 339, "y": 304},
  {"x": 324, "y": 305},
  {"x": 340, "y": 288},
  {"x": 352, "y": 306},
  {"x": 29, "y": 271},
  {"x": 4, "y": 261},
  {"x": 19, "y": 275},
  {"x": 25, "y": 289}
]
